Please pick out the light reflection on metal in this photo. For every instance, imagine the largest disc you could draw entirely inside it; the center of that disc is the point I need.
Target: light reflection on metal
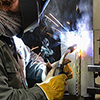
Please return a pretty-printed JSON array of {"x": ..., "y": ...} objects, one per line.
[{"x": 51, "y": 35}]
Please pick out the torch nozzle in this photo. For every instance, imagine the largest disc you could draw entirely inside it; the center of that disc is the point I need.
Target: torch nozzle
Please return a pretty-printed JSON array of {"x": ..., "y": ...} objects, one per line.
[{"x": 72, "y": 48}]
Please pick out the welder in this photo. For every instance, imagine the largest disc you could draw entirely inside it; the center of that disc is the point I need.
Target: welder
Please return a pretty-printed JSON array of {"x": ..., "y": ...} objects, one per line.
[{"x": 13, "y": 22}]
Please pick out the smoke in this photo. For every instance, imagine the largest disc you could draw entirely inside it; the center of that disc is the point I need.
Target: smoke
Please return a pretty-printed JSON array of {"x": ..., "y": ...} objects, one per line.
[
  {"x": 76, "y": 24},
  {"x": 82, "y": 33},
  {"x": 85, "y": 22}
]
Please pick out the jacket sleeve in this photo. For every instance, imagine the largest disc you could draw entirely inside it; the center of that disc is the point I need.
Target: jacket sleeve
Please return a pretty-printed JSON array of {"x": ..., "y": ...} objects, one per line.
[{"x": 9, "y": 93}]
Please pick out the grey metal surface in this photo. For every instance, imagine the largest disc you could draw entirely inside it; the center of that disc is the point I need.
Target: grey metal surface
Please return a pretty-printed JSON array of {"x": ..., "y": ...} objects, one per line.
[{"x": 94, "y": 68}]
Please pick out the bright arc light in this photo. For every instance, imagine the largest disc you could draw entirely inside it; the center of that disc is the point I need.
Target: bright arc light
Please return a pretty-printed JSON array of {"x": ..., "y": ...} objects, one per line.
[
  {"x": 81, "y": 39},
  {"x": 80, "y": 53}
]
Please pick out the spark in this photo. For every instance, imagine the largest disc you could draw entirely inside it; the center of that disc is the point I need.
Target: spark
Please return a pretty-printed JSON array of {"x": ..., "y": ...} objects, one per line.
[
  {"x": 51, "y": 20},
  {"x": 56, "y": 29},
  {"x": 38, "y": 56},
  {"x": 76, "y": 7},
  {"x": 56, "y": 20},
  {"x": 43, "y": 28},
  {"x": 68, "y": 23},
  {"x": 34, "y": 48},
  {"x": 50, "y": 34}
]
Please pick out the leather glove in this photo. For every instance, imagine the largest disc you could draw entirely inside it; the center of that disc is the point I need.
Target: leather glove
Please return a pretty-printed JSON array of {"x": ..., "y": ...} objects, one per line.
[
  {"x": 54, "y": 87},
  {"x": 68, "y": 71},
  {"x": 35, "y": 72}
]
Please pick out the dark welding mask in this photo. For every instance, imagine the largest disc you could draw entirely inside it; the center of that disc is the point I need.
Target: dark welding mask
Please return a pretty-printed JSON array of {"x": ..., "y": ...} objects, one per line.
[{"x": 30, "y": 11}]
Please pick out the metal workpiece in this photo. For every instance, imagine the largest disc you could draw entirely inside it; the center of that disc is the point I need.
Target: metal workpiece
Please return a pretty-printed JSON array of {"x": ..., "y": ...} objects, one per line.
[{"x": 94, "y": 68}]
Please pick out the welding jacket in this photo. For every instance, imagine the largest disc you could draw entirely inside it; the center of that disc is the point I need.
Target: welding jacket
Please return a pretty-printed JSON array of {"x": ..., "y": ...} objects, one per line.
[{"x": 12, "y": 85}]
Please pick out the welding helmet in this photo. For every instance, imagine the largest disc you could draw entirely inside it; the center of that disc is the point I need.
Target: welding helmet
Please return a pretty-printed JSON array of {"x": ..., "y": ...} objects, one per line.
[{"x": 30, "y": 10}]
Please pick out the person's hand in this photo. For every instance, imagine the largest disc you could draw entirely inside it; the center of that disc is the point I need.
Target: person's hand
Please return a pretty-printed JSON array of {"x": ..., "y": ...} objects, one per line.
[
  {"x": 35, "y": 72},
  {"x": 54, "y": 87},
  {"x": 68, "y": 71}
]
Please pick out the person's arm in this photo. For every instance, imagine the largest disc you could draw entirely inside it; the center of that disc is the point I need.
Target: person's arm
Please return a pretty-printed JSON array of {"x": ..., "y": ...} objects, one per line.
[
  {"x": 10, "y": 88},
  {"x": 9, "y": 93},
  {"x": 51, "y": 89},
  {"x": 10, "y": 81}
]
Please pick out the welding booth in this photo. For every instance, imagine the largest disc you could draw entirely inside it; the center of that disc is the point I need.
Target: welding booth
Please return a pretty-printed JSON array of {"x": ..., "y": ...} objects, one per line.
[{"x": 63, "y": 24}]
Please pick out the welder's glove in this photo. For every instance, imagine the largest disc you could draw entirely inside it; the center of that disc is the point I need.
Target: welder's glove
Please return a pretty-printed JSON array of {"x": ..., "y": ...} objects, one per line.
[
  {"x": 68, "y": 71},
  {"x": 35, "y": 72},
  {"x": 54, "y": 87}
]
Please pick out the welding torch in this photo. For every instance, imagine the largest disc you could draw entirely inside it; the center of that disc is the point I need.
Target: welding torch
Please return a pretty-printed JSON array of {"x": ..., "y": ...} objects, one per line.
[{"x": 63, "y": 61}]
